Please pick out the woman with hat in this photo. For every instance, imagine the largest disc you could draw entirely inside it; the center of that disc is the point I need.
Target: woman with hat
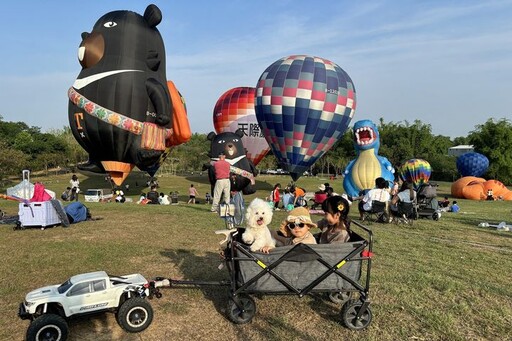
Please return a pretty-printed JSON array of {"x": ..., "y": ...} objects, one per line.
[{"x": 295, "y": 228}]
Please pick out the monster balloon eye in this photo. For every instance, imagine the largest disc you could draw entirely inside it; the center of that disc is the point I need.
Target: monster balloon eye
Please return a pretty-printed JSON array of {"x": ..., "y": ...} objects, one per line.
[{"x": 110, "y": 24}]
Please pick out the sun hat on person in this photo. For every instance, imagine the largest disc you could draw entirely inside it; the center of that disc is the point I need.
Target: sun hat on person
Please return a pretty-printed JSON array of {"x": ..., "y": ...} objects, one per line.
[
  {"x": 297, "y": 216},
  {"x": 321, "y": 187}
]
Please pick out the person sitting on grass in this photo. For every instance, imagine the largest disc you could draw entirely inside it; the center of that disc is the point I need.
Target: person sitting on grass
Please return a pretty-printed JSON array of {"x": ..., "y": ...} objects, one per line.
[
  {"x": 153, "y": 196},
  {"x": 335, "y": 226},
  {"x": 66, "y": 194},
  {"x": 454, "y": 207},
  {"x": 163, "y": 199},
  {"x": 287, "y": 199}
]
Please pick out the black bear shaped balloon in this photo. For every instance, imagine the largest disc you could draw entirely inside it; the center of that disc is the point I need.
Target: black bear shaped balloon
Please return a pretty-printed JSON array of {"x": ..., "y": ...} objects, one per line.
[
  {"x": 242, "y": 168},
  {"x": 120, "y": 108}
]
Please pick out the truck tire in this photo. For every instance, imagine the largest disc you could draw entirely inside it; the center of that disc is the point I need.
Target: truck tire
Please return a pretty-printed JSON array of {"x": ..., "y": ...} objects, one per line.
[
  {"x": 48, "y": 327},
  {"x": 135, "y": 315}
]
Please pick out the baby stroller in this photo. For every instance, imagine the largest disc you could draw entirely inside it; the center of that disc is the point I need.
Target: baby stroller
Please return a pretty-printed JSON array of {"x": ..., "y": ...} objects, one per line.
[
  {"x": 333, "y": 269},
  {"x": 427, "y": 204}
]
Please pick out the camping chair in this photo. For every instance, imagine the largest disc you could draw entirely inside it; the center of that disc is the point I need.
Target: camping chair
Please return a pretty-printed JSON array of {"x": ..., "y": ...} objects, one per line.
[
  {"x": 405, "y": 214},
  {"x": 378, "y": 212}
]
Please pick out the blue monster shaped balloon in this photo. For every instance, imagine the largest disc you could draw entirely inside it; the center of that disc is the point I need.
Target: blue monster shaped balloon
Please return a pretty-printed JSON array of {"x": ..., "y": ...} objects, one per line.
[
  {"x": 361, "y": 172},
  {"x": 303, "y": 105},
  {"x": 472, "y": 164}
]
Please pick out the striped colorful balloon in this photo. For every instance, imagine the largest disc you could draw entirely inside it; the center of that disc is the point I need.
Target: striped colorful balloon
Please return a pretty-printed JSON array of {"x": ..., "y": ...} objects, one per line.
[
  {"x": 472, "y": 164},
  {"x": 235, "y": 110},
  {"x": 415, "y": 171},
  {"x": 304, "y": 105}
]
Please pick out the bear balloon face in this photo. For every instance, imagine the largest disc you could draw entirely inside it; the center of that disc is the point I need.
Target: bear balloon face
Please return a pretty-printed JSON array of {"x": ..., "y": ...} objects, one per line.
[
  {"x": 232, "y": 146},
  {"x": 122, "y": 86}
]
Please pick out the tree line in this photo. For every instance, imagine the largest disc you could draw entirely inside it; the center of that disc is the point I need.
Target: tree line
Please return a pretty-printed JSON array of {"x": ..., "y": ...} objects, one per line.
[{"x": 25, "y": 147}]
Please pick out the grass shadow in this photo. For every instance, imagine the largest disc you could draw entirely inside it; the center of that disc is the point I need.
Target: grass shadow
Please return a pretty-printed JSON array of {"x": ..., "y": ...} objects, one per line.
[
  {"x": 322, "y": 305},
  {"x": 202, "y": 270}
]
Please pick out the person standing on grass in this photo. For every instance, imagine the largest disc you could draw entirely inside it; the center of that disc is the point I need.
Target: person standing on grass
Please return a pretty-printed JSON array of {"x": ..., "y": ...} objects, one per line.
[
  {"x": 275, "y": 197},
  {"x": 75, "y": 187},
  {"x": 222, "y": 182},
  {"x": 192, "y": 194}
]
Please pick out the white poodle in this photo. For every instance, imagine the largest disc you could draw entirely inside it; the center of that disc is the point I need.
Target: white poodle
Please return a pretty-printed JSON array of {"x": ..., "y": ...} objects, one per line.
[{"x": 258, "y": 217}]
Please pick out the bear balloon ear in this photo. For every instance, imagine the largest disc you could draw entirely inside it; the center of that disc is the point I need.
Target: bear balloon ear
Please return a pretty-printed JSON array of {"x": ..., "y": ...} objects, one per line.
[
  {"x": 239, "y": 132},
  {"x": 211, "y": 136},
  {"x": 153, "y": 15}
]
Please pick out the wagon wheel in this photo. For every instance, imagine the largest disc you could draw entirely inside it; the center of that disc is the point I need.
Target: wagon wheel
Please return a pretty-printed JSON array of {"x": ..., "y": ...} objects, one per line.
[
  {"x": 244, "y": 312},
  {"x": 18, "y": 226},
  {"x": 349, "y": 313},
  {"x": 340, "y": 297}
]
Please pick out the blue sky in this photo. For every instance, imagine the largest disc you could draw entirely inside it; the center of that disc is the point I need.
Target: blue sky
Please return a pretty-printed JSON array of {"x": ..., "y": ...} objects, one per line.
[{"x": 446, "y": 63}]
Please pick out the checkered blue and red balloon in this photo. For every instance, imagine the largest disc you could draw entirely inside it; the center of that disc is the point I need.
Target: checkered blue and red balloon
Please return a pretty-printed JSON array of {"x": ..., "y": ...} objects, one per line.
[{"x": 303, "y": 105}]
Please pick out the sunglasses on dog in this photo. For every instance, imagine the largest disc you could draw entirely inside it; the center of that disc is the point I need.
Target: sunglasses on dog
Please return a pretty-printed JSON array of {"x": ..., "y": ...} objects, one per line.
[{"x": 291, "y": 226}]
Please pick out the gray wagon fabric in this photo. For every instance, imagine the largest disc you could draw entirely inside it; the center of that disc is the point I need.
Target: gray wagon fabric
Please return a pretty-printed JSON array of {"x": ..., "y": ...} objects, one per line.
[{"x": 300, "y": 274}]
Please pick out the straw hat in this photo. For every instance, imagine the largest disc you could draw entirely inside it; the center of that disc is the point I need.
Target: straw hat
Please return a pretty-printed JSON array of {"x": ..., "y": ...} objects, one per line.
[
  {"x": 321, "y": 187},
  {"x": 297, "y": 215}
]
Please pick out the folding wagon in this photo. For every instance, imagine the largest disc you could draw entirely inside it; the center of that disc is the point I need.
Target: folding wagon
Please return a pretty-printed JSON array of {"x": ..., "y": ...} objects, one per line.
[{"x": 341, "y": 271}]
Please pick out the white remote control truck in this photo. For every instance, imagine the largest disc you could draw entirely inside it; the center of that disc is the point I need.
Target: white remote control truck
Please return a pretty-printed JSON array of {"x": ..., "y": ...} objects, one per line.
[{"x": 49, "y": 307}]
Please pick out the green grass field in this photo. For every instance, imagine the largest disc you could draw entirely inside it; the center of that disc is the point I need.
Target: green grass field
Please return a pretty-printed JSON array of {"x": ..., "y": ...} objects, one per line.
[{"x": 435, "y": 280}]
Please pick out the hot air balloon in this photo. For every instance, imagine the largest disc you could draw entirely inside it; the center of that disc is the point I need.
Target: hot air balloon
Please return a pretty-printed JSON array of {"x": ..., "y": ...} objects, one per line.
[
  {"x": 472, "y": 164},
  {"x": 121, "y": 107},
  {"x": 303, "y": 105},
  {"x": 415, "y": 171},
  {"x": 235, "y": 110}
]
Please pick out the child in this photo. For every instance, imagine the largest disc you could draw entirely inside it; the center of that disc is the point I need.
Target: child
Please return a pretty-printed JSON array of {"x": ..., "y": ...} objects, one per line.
[
  {"x": 287, "y": 199},
  {"x": 192, "y": 193},
  {"x": 142, "y": 198},
  {"x": 335, "y": 225},
  {"x": 294, "y": 229},
  {"x": 275, "y": 197},
  {"x": 444, "y": 203},
  {"x": 454, "y": 208},
  {"x": 66, "y": 194}
]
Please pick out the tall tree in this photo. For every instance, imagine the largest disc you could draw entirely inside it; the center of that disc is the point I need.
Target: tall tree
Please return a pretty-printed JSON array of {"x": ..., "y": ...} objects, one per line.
[
  {"x": 494, "y": 140},
  {"x": 12, "y": 161}
]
